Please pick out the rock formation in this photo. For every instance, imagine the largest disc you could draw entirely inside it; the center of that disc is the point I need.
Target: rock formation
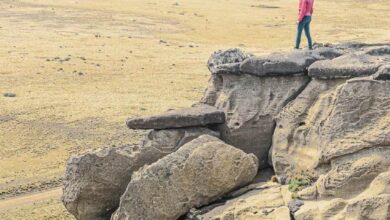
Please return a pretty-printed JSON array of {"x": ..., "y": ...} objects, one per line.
[
  {"x": 95, "y": 181},
  {"x": 198, "y": 173},
  {"x": 320, "y": 118}
]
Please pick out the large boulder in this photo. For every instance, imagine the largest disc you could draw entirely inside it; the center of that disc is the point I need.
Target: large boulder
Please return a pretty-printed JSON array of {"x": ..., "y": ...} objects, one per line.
[
  {"x": 291, "y": 63},
  {"x": 363, "y": 62},
  {"x": 328, "y": 120},
  {"x": 198, "y": 173},
  {"x": 199, "y": 115},
  {"x": 95, "y": 181},
  {"x": 250, "y": 104}
]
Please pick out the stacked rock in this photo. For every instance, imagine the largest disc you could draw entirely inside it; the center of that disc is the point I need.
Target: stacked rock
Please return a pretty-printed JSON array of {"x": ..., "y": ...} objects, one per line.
[
  {"x": 319, "y": 115},
  {"x": 95, "y": 181}
]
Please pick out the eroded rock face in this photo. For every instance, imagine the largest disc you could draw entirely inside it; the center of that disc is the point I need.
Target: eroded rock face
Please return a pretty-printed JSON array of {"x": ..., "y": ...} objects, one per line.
[
  {"x": 351, "y": 173},
  {"x": 337, "y": 131},
  {"x": 372, "y": 203},
  {"x": 258, "y": 204},
  {"x": 383, "y": 73},
  {"x": 331, "y": 119},
  {"x": 322, "y": 125},
  {"x": 95, "y": 181},
  {"x": 250, "y": 103},
  {"x": 198, "y": 173},
  {"x": 263, "y": 200},
  {"x": 363, "y": 62},
  {"x": 200, "y": 115}
]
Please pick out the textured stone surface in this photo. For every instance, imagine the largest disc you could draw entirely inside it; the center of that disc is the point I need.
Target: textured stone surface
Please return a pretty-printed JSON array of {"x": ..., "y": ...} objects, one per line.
[
  {"x": 322, "y": 210},
  {"x": 227, "y": 61},
  {"x": 383, "y": 73},
  {"x": 330, "y": 119},
  {"x": 198, "y": 173},
  {"x": 95, "y": 181},
  {"x": 294, "y": 205},
  {"x": 294, "y": 62},
  {"x": 200, "y": 115},
  {"x": 372, "y": 203},
  {"x": 169, "y": 140},
  {"x": 326, "y": 128},
  {"x": 358, "y": 63},
  {"x": 250, "y": 103},
  {"x": 350, "y": 174},
  {"x": 264, "y": 201},
  {"x": 339, "y": 132}
]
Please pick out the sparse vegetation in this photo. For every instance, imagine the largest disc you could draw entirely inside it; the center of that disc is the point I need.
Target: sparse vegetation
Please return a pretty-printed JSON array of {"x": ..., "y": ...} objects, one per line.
[
  {"x": 295, "y": 185},
  {"x": 84, "y": 105}
]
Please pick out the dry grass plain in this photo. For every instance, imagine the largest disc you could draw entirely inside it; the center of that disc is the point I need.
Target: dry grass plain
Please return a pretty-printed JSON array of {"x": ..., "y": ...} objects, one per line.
[{"x": 79, "y": 68}]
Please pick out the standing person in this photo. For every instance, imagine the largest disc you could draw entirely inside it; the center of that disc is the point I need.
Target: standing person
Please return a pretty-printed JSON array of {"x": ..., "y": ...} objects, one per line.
[{"x": 304, "y": 19}]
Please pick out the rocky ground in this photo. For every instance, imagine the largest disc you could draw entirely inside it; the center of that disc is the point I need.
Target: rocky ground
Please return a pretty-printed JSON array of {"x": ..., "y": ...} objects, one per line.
[{"x": 73, "y": 71}]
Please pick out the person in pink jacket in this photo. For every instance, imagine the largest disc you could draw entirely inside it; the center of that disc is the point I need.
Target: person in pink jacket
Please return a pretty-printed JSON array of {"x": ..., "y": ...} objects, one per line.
[{"x": 304, "y": 20}]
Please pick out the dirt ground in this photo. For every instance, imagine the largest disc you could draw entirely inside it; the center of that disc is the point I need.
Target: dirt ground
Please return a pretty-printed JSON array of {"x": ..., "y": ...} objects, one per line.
[{"x": 79, "y": 68}]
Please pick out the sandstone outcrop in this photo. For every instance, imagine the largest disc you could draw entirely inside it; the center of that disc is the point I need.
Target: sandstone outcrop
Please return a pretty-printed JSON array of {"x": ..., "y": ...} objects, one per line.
[
  {"x": 200, "y": 115},
  {"x": 198, "y": 173},
  {"x": 328, "y": 120},
  {"x": 320, "y": 118},
  {"x": 263, "y": 202},
  {"x": 372, "y": 203},
  {"x": 95, "y": 181},
  {"x": 250, "y": 103}
]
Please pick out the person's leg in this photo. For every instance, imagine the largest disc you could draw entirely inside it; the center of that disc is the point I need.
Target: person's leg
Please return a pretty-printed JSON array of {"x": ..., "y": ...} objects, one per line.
[
  {"x": 307, "y": 33},
  {"x": 299, "y": 34}
]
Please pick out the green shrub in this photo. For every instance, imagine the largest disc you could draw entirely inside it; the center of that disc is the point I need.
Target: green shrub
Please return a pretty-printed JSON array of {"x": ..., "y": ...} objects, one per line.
[{"x": 295, "y": 185}]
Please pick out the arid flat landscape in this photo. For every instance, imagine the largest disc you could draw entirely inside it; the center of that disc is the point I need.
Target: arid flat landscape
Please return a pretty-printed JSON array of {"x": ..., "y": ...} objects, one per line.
[{"x": 79, "y": 68}]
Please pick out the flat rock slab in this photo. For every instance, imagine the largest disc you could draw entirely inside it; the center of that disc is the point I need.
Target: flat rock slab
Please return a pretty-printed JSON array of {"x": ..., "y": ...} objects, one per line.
[
  {"x": 355, "y": 64},
  {"x": 295, "y": 62},
  {"x": 200, "y": 115}
]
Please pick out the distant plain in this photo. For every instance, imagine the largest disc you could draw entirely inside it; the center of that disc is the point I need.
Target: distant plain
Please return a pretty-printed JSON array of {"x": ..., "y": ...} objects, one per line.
[{"x": 79, "y": 68}]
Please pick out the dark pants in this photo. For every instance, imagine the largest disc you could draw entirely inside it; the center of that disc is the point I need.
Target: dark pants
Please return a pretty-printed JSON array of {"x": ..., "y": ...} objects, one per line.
[{"x": 304, "y": 25}]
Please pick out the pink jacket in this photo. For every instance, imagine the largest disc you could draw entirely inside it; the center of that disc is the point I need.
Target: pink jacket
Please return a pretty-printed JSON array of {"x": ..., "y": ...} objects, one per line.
[{"x": 305, "y": 9}]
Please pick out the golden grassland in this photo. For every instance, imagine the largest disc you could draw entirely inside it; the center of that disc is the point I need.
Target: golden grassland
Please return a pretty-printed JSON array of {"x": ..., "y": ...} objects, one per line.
[{"x": 79, "y": 68}]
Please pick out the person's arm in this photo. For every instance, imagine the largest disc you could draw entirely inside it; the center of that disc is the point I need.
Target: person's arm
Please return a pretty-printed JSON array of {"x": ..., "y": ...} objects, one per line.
[{"x": 302, "y": 10}]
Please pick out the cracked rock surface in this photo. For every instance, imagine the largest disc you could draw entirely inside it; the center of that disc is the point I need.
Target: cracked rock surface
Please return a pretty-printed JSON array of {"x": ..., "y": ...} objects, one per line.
[
  {"x": 95, "y": 181},
  {"x": 198, "y": 173}
]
